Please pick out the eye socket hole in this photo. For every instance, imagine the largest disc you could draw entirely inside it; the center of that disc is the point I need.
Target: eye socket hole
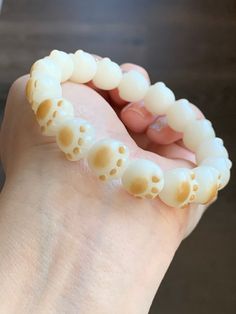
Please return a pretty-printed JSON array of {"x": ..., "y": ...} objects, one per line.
[{"x": 59, "y": 103}]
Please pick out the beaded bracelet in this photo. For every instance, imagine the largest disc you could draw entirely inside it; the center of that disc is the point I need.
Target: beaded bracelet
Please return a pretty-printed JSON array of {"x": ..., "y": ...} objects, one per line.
[{"x": 109, "y": 158}]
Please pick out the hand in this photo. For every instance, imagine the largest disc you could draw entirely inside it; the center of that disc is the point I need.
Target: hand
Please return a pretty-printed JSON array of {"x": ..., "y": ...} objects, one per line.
[{"x": 69, "y": 242}]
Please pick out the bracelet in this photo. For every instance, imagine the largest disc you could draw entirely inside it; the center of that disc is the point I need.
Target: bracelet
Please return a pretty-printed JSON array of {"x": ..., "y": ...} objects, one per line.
[{"x": 109, "y": 158}]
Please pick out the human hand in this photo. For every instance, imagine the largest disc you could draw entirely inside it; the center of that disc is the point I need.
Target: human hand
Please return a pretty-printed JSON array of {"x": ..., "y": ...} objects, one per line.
[{"x": 111, "y": 249}]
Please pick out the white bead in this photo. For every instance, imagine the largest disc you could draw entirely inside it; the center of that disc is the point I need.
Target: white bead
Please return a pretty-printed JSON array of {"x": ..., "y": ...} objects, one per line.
[
  {"x": 85, "y": 67},
  {"x": 180, "y": 187},
  {"x": 229, "y": 163},
  {"x": 208, "y": 181},
  {"x": 133, "y": 86},
  {"x": 210, "y": 148},
  {"x": 108, "y": 75},
  {"x": 143, "y": 178},
  {"x": 51, "y": 113},
  {"x": 46, "y": 66},
  {"x": 42, "y": 87},
  {"x": 219, "y": 141},
  {"x": 223, "y": 165},
  {"x": 221, "y": 162},
  {"x": 196, "y": 132},
  {"x": 108, "y": 159},
  {"x": 179, "y": 114},
  {"x": 64, "y": 62},
  {"x": 75, "y": 137},
  {"x": 158, "y": 98}
]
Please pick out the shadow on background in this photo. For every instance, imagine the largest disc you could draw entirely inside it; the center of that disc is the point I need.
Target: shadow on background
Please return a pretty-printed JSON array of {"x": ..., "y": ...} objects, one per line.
[{"x": 191, "y": 46}]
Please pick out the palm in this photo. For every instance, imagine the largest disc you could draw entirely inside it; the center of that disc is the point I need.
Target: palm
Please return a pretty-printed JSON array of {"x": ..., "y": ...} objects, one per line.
[{"x": 21, "y": 138}]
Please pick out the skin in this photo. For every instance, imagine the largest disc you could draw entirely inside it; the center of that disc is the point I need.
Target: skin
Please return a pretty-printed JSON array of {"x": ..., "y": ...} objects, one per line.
[{"x": 72, "y": 244}]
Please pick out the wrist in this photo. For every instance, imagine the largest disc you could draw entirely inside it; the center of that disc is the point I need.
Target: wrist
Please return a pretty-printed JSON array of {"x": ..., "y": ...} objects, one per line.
[{"x": 62, "y": 253}]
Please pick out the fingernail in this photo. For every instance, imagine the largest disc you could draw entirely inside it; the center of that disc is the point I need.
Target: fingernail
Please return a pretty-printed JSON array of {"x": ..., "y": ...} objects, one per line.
[
  {"x": 159, "y": 124},
  {"x": 136, "y": 117},
  {"x": 136, "y": 108}
]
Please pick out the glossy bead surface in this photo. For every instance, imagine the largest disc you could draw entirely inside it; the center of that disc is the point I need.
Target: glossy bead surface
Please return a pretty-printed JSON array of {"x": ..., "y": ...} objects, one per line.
[
  {"x": 210, "y": 148},
  {"x": 179, "y": 114},
  {"x": 85, "y": 67},
  {"x": 208, "y": 179},
  {"x": 46, "y": 66},
  {"x": 51, "y": 113},
  {"x": 108, "y": 159},
  {"x": 223, "y": 165},
  {"x": 75, "y": 137},
  {"x": 40, "y": 88},
  {"x": 158, "y": 98},
  {"x": 133, "y": 86},
  {"x": 196, "y": 132},
  {"x": 64, "y": 62},
  {"x": 108, "y": 74},
  {"x": 180, "y": 187},
  {"x": 143, "y": 178}
]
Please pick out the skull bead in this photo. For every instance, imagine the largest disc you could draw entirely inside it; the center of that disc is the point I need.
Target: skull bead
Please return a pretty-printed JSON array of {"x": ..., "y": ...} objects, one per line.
[
  {"x": 143, "y": 178},
  {"x": 208, "y": 179},
  {"x": 75, "y": 137},
  {"x": 108, "y": 159},
  {"x": 52, "y": 112},
  {"x": 41, "y": 87},
  {"x": 180, "y": 187}
]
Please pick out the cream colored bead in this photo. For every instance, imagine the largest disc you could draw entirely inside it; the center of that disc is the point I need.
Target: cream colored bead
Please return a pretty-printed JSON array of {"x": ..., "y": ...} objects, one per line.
[
  {"x": 42, "y": 87},
  {"x": 108, "y": 159},
  {"x": 46, "y": 66},
  {"x": 196, "y": 132},
  {"x": 108, "y": 75},
  {"x": 179, "y": 114},
  {"x": 51, "y": 113},
  {"x": 85, "y": 67},
  {"x": 64, "y": 62},
  {"x": 133, "y": 86},
  {"x": 143, "y": 178},
  {"x": 158, "y": 98},
  {"x": 208, "y": 179},
  {"x": 228, "y": 163},
  {"x": 180, "y": 187},
  {"x": 223, "y": 165},
  {"x": 75, "y": 137},
  {"x": 219, "y": 141},
  {"x": 210, "y": 148}
]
